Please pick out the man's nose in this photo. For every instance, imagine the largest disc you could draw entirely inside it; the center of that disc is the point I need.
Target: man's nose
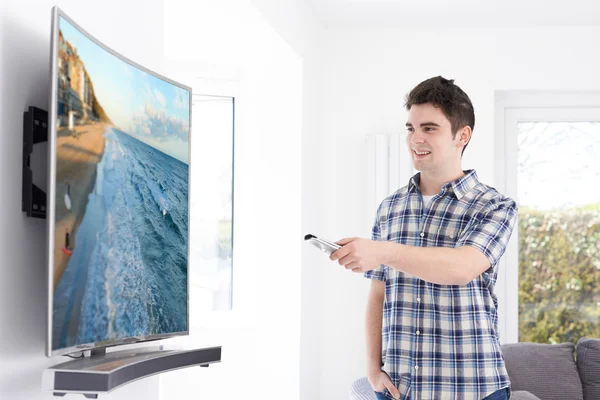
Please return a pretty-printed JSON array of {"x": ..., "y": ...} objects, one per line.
[{"x": 417, "y": 138}]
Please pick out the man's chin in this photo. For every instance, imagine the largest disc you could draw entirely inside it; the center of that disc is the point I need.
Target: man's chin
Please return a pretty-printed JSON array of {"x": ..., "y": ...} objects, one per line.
[{"x": 419, "y": 167}]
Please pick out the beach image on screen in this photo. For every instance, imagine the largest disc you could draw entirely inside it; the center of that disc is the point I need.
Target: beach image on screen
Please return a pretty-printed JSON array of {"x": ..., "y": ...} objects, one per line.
[{"x": 120, "y": 257}]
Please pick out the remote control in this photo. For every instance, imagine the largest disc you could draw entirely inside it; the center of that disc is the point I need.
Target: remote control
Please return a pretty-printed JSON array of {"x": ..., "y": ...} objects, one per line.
[{"x": 322, "y": 244}]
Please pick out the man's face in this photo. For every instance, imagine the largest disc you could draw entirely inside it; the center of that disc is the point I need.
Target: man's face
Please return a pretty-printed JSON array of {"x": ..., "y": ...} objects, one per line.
[{"x": 429, "y": 140}]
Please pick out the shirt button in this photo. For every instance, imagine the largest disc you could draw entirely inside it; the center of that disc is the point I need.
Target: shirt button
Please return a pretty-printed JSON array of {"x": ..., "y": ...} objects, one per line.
[
  {"x": 451, "y": 236},
  {"x": 422, "y": 234},
  {"x": 418, "y": 299},
  {"x": 416, "y": 367},
  {"x": 418, "y": 332}
]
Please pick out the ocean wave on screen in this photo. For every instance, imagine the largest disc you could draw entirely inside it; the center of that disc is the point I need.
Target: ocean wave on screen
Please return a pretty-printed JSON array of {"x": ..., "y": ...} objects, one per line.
[{"x": 136, "y": 261}]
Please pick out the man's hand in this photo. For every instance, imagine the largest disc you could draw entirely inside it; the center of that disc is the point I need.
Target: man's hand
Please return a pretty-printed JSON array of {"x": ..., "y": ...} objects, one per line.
[
  {"x": 359, "y": 255},
  {"x": 379, "y": 380}
]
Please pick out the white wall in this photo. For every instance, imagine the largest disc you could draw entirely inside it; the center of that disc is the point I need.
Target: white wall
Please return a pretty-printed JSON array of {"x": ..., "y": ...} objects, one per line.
[
  {"x": 133, "y": 28},
  {"x": 229, "y": 48},
  {"x": 366, "y": 75},
  {"x": 296, "y": 23}
]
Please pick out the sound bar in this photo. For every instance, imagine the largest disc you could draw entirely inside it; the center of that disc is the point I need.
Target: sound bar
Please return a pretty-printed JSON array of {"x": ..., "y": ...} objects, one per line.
[{"x": 94, "y": 375}]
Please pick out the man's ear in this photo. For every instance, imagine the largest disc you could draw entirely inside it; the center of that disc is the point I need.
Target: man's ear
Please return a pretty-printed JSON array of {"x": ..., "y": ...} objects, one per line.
[{"x": 464, "y": 136}]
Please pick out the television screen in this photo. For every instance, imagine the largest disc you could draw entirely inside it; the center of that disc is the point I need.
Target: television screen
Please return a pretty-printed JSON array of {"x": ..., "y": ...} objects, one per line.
[{"x": 118, "y": 198}]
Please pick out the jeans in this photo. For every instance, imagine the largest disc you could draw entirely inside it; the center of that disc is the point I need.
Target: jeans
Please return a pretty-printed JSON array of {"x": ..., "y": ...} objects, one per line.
[{"x": 501, "y": 394}]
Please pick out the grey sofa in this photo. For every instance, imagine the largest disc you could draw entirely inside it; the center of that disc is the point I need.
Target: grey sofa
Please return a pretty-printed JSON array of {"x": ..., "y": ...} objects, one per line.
[{"x": 539, "y": 372}]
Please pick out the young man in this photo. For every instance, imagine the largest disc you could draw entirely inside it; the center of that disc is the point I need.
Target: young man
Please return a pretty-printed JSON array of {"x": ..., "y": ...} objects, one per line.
[{"x": 432, "y": 319}]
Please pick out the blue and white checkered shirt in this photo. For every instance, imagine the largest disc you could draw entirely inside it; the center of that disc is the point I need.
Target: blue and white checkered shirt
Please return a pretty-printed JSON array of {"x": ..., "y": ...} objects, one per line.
[{"x": 441, "y": 341}]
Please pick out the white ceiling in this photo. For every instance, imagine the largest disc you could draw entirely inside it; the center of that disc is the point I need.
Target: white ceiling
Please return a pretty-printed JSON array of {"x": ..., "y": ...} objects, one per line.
[{"x": 432, "y": 14}]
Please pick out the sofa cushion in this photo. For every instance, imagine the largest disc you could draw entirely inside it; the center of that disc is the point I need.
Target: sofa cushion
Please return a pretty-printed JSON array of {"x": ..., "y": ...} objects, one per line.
[
  {"x": 588, "y": 364},
  {"x": 523, "y": 395},
  {"x": 546, "y": 370}
]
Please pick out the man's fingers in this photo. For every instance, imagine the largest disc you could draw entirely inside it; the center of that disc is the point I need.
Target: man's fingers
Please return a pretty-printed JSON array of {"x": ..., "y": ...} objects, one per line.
[
  {"x": 339, "y": 254},
  {"x": 352, "y": 266},
  {"x": 346, "y": 261}
]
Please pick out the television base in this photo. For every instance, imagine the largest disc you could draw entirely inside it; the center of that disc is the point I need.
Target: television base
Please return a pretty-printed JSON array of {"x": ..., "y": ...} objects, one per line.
[{"x": 103, "y": 373}]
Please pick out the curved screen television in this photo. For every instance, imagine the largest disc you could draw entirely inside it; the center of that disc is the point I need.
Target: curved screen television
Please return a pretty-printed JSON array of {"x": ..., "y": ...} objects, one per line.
[{"x": 118, "y": 208}]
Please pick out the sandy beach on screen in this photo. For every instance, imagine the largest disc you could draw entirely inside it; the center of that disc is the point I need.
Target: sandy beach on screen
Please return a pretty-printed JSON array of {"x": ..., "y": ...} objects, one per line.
[{"x": 77, "y": 156}]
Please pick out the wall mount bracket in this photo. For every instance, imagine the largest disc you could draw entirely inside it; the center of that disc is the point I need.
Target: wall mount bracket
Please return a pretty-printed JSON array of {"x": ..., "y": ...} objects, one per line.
[{"x": 35, "y": 130}]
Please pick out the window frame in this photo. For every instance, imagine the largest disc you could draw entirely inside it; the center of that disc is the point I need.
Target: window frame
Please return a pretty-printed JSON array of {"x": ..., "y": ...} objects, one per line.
[{"x": 223, "y": 84}]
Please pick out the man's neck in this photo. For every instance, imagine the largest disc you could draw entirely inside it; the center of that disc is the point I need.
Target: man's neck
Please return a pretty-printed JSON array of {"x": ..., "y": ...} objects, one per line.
[{"x": 431, "y": 184}]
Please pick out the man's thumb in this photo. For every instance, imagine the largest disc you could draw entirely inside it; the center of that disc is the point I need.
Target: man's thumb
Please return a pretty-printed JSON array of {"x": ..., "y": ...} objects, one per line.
[
  {"x": 345, "y": 241},
  {"x": 392, "y": 389}
]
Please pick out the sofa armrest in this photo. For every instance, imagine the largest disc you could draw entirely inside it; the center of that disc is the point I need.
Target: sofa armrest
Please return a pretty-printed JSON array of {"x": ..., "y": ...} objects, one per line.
[
  {"x": 588, "y": 364},
  {"x": 361, "y": 390}
]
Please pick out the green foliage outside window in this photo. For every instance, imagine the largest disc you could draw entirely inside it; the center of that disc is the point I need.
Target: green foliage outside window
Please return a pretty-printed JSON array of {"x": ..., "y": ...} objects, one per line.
[{"x": 559, "y": 274}]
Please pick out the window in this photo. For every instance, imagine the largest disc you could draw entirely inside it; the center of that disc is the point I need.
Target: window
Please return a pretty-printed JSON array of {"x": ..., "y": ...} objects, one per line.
[
  {"x": 551, "y": 167},
  {"x": 558, "y": 179},
  {"x": 211, "y": 275}
]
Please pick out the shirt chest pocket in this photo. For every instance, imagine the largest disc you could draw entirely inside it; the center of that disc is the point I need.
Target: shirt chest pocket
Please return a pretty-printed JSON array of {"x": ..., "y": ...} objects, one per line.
[{"x": 444, "y": 236}]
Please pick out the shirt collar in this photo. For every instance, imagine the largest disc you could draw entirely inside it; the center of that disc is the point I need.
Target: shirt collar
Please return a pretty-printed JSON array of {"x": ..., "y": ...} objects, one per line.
[{"x": 460, "y": 186}]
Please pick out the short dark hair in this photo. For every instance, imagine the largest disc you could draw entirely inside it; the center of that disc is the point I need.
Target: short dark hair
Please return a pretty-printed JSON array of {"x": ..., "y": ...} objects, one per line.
[{"x": 453, "y": 101}]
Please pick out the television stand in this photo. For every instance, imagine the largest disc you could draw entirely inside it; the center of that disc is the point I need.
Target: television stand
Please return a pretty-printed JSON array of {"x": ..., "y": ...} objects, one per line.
[{"x": 103, "y": 372}]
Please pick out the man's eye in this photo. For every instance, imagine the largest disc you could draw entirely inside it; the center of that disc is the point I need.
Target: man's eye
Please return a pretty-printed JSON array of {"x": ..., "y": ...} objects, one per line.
[{"x": 410, "y": 129}]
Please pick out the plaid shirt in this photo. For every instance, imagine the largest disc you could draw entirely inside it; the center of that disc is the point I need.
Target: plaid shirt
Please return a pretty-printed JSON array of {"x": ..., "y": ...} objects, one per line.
[{"x": 441, "y": 341}]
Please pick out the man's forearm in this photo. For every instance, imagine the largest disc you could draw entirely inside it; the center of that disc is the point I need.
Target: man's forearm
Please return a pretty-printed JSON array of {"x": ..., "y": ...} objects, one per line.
[
  {"x": 441, "y": 265},
  {"x": 374, "y": 320}
]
